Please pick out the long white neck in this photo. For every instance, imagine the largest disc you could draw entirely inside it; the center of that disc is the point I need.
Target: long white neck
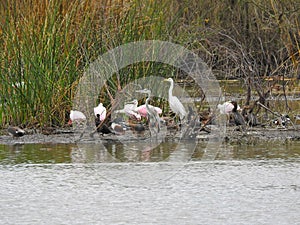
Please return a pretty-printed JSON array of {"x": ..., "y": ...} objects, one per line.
[
  {"x": 147, "y": 102},
  {"x": 171, "y": 88}
]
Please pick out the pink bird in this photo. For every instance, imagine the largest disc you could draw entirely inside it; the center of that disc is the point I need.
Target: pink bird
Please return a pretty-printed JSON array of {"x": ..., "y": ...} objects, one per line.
[
  {"x": 130, "y": 110},
  {"x": 142, "y": 110},
  {"x": 101, "y": 111},
  {"x": 76, "y": 116},
  {"x": 227, "y": 107}
]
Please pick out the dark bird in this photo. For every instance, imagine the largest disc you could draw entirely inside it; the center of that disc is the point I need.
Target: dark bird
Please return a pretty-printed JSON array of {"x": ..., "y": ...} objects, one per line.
[
  {"x": 118, "y": 128},
  {"x": 282, "y": 121},
  {"x": 236, "y": 116},
  {"x": 207, "y": 117},
  {"x": 137, "y": 128},
  {"x": 102, "y": 128},
  {"x": 249, "y": 117},
  {"x": 15, "y": 131}
]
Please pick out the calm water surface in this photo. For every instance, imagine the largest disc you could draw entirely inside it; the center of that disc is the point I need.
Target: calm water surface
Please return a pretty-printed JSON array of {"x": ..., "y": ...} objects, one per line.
[{"x": 132, "y": 184}]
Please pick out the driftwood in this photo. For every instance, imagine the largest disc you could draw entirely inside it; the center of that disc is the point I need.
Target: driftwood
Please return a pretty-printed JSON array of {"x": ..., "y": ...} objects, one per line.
[{"x": 275, "y": 113}]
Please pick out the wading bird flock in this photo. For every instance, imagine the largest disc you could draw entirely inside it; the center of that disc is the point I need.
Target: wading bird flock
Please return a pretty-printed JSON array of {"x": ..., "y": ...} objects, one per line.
[
  {"x": 147, "y": 116},
  {"x": 240, "y": 117}
]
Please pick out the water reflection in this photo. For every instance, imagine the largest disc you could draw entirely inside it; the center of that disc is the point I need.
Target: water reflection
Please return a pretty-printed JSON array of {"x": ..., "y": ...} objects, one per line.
[
  {"x": 35, "y": 153},
  {"x": 143, "y": 152},
  {"x": 122, "y": 152}
]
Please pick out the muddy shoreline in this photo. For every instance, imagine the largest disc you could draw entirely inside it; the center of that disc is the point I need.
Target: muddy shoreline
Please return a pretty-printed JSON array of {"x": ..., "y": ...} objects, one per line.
[{"x": 232, "y": 135}]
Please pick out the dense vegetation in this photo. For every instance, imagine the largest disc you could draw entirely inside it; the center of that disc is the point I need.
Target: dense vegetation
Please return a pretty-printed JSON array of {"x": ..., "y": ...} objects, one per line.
[{"x": 46, "y": 44}]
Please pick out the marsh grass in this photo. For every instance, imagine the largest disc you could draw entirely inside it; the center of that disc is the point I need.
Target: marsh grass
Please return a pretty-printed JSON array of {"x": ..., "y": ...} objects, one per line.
[{"x": 46, "y": 45}]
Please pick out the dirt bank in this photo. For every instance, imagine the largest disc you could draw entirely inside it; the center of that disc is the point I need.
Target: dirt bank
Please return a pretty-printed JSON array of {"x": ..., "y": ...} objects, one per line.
[{"x": 67, "y": 136}]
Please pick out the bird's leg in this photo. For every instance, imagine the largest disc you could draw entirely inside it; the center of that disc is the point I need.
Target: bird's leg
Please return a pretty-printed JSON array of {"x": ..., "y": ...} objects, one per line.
[{"x": 177, "y": 122}]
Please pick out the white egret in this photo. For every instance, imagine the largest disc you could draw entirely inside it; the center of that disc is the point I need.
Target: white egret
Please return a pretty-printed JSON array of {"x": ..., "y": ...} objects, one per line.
[{"x": 175, "y": 105}]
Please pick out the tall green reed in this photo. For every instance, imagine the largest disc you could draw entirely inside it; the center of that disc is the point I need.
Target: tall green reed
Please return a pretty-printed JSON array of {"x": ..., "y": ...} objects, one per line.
[
  {"x": 41, "y": 63},
  {"x": 46, "y": 45}
]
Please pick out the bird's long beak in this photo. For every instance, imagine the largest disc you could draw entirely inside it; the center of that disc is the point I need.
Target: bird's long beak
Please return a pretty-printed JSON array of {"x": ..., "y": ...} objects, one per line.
[
  {"x": 142, "y": 91},
  {"x": 129, "y": 102}
]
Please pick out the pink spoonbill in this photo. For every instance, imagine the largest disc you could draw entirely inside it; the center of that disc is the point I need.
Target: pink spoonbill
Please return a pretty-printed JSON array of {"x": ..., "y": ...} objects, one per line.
[
  {"x": 76, "y": 116},
  {"x": 142, "y": 110},
  {"x": 227, "y": 107},
  {"x": 101, "y": 111},
  {"x": 152, "y": 115},
  {"x": 130, "y": 109}
]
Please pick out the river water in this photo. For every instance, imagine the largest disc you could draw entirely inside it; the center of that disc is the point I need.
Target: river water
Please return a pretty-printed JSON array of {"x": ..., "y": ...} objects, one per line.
[{"x": 132, "y": 184}]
